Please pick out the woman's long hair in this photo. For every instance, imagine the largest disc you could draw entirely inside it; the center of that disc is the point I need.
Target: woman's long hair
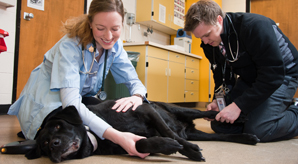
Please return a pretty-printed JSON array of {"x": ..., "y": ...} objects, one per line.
[{"x": 80, "y": 26}]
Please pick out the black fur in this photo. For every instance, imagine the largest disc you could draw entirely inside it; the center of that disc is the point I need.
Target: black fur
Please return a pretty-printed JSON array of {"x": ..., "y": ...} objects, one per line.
[{"x": 166, "y": 126}]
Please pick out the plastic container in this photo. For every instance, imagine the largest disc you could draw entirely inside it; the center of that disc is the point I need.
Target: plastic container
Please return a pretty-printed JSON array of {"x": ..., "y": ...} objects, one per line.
[{"x": 116, "y": 91}]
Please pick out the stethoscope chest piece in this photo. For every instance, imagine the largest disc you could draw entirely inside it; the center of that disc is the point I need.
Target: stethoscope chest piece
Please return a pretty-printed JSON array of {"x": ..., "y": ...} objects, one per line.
[{"x": 102, "y": 95}]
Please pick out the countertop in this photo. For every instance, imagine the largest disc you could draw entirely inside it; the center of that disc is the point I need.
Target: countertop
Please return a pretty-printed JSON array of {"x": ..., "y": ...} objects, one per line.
[{"x": 166, "y": 47}]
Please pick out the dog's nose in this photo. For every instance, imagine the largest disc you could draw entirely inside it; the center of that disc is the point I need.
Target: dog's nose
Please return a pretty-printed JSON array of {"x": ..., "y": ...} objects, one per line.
[{"x": 55, "y": 143}]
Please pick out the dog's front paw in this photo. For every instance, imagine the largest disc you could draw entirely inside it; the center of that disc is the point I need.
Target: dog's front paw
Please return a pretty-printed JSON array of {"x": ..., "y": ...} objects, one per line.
[
  {"x": 193, "y": 152},
  {"x": 157, "y": 144}
]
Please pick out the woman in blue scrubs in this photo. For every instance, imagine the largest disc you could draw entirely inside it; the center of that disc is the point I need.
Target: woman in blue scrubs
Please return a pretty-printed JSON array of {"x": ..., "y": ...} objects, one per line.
[{"x": 74, "y": 68}]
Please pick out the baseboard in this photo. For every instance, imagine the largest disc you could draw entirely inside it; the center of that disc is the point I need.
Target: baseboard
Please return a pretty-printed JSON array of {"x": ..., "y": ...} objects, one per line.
[
  {"x": 193, "y": 104},
  {"x": 202, "y": 104},
  {"x": 4, "y": 108}
]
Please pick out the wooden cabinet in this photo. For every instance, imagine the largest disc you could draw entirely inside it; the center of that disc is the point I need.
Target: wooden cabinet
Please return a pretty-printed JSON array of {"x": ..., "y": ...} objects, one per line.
[
  {"x": 176, "y": 76},
  {"x": 163, "y": 71},
  {"x": 159, "y": 14},
  {"x": 191, "y": 79},
  {"x": 157, "y": 79}
]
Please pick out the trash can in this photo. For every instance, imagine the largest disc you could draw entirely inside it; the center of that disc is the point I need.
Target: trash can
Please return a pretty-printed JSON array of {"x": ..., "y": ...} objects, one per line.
[{"x": 116, "y": 91}]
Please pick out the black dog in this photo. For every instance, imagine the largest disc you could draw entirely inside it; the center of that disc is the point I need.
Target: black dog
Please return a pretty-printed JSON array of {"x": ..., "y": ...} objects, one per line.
[{"x": 166, "y": 126}]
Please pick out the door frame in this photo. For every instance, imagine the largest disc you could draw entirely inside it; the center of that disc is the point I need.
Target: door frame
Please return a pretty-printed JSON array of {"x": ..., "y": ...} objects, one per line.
[
  {"x": 247, "y": 6},
  {"x": 17, "y": 44}
]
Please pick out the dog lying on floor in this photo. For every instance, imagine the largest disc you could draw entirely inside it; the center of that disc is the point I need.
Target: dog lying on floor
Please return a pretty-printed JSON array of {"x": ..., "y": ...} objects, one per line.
[{"x": 166, "y": 126}]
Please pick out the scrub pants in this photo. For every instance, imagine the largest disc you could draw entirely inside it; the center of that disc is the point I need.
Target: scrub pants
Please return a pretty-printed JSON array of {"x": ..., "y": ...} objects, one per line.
[{"x": 275, "y": 119}]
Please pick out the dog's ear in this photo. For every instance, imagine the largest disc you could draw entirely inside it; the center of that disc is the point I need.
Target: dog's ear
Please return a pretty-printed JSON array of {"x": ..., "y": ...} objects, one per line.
[
  {"x": 34, "y": 153},
  {"x": 69, "y": 114}
]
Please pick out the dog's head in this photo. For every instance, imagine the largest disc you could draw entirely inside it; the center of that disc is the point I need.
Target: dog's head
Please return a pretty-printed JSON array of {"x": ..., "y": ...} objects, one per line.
[{"x": 61, "y": 137}]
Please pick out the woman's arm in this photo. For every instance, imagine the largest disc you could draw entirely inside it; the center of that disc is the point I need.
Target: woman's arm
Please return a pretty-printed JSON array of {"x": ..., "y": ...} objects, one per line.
[{"x": 71, "y": 96}]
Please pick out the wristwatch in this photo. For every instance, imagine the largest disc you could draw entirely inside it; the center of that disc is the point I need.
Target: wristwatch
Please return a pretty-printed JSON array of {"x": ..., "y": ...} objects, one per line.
[{"x": 139, "y": 95}]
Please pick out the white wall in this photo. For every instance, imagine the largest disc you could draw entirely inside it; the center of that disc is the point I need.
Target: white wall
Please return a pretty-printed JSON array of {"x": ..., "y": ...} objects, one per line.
[
  {"x": 7, "y": 23},
  {"x": 234, "y": 5}
]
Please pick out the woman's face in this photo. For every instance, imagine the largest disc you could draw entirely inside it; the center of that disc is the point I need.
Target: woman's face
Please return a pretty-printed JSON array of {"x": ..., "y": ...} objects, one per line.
[{"x": 106, "y": 27}]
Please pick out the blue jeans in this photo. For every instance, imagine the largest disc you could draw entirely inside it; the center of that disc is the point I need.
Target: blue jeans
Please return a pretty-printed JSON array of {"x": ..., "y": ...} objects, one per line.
[{"x": 274, "y": 119}]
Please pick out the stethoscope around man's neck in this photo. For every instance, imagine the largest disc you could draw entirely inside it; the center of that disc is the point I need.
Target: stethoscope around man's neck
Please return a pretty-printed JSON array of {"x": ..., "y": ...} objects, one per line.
[
  {"x": 102, "y": 94},
  {"x": 235, "y": 55}
]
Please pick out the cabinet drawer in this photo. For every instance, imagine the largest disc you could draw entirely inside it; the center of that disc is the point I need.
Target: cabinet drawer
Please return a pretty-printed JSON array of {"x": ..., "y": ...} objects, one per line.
[
  {"x": 192, "y": 74},
  {"x": 175, "y": 57},
  {"x": 192, "y": 62},
  {"x": 191, "y": 85},
  {"x": 191, "y": 96},
  {"x": 157, "y": 53}
]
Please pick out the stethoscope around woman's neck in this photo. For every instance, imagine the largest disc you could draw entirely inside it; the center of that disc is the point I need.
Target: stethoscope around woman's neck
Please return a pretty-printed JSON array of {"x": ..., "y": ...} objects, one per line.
[{"x": 102, "y": 94}]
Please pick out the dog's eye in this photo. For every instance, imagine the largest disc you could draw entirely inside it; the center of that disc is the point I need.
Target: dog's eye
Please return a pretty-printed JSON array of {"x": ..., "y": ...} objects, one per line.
[
  {"x": 57, "y": 127},
  {"x": 46, "y": 142}
]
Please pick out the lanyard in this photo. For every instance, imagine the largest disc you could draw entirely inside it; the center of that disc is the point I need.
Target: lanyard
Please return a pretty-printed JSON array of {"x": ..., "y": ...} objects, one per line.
[
  {"x": 102, "y": 94},
  {"x": 223, "y": 70},
  {"x": 104, "y": 71}
]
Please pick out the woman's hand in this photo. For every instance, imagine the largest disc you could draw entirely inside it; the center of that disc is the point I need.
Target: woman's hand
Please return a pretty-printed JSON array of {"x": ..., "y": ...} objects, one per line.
[
  {"x": 126, "y": 140},
  {"x": 125, "y": 103}
]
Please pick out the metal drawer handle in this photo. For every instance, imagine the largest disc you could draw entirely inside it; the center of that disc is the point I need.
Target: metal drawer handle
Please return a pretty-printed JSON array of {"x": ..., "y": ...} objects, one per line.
[
  {"x": 191, "y": 93},
  {"x": 177, "y": 56},
  {"x": 191, "y": 82}
]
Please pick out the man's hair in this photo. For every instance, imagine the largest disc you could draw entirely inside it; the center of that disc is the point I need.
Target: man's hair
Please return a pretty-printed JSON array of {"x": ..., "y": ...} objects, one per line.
[
  {"x": 203, "y": 11},
  {"x": 80, "y": 26}
]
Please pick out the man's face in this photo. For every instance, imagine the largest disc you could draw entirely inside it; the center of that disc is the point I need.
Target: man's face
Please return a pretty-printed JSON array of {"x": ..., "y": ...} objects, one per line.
[{"x": 209, "y": 34}]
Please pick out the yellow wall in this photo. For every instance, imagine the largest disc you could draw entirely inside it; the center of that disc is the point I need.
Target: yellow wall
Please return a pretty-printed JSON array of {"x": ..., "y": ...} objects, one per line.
[{"x": 204, "y": 63}]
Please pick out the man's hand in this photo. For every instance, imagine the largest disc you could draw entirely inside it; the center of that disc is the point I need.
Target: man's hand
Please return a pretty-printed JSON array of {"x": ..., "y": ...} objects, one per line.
[
  {"x": 212, "y": 106},
  {"x": 229, "y": 114}
]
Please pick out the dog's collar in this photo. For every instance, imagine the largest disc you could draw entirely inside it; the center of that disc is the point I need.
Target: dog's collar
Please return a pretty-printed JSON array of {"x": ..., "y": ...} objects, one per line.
[{"x": 92, "y": 139}]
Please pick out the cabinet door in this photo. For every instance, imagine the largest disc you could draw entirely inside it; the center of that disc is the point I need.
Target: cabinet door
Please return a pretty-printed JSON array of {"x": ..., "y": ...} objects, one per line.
[
  {"x": 192, "y": 62},
  {"x": 191, "y": 96},
  {"x": 192, "y": 74},
  {"x": 176, "y": 57},
  {"x": 177, "y": 14},
  {"x": 157, "y": 71},
  {"x": 191, "y": 85},
  {"x": 176, "y": 82},
  {"x": 162, "y": 10}
]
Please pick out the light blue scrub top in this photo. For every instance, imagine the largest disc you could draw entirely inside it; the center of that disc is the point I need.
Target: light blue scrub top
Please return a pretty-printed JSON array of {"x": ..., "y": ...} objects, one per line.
[{"x": 61, "y": 69}]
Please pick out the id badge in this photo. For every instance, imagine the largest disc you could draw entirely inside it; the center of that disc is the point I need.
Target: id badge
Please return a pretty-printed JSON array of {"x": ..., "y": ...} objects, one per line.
[{"x": 220, "y": 99}]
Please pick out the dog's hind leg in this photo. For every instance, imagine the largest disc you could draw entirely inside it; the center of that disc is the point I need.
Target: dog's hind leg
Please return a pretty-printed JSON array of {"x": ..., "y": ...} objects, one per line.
[
  {"x": 185, "y": 113},
  {"x": 189, "y": 114},
  {"x": 190, "y": 150},
  {"x": 197, "y": 135}
]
